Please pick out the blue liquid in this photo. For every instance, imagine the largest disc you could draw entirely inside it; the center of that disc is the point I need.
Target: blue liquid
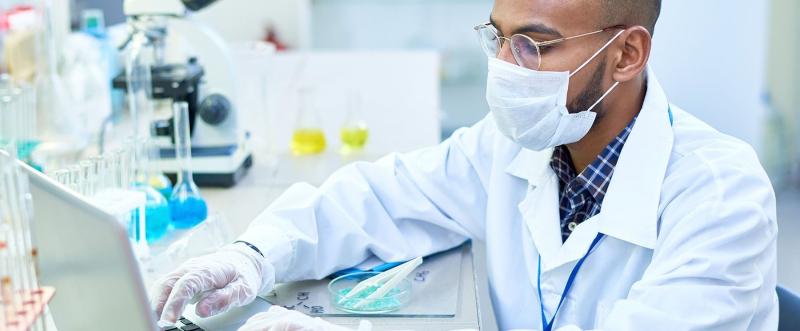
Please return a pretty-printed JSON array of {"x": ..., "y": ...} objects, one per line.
[
  {"x": 188, "y": 211},
  {"x": 157, "y": 214},
  {"x": 25, "y": 149},
  {"x": 388, "y": 302},
  {"x": 165, "y": 191},
  {"x": 158, "y": 220}
]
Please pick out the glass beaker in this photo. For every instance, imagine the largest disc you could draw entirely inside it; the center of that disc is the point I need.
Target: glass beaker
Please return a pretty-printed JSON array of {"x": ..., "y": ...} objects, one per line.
[
  {"x": 308, "y": 137},
  {"x": 354, "y": 132},
  {"x": 186, "y": 205}
]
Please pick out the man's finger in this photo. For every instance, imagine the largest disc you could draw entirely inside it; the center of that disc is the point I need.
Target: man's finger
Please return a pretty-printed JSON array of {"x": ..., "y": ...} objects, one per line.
[{"x": 184, "y": 289}]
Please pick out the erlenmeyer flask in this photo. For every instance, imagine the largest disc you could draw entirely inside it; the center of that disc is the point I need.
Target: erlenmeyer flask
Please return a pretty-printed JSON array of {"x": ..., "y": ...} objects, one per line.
[
  {"x": 354, "y": 130},
  {"x": 187, "y": 206},
  {"x": 308, "y": 137}
]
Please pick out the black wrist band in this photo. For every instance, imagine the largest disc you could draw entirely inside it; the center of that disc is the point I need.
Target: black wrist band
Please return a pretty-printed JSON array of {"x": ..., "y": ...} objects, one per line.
[{"x": 251, "y": 246}]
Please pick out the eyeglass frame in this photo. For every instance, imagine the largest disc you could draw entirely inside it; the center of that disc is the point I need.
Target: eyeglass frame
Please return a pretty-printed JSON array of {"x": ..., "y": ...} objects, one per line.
[{"x": 537, "y": 44}]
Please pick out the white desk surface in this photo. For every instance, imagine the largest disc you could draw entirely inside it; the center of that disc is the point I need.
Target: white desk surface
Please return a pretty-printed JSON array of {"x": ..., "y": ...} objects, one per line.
[{"x": 270, "y": 176}]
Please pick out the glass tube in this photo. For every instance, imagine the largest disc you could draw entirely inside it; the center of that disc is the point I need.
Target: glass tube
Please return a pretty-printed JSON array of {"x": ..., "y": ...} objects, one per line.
[
  {"x": 8, "y": 124},
  {"x": 75, "y": 178},
  {"x": 61, "y": 176},
  {"x": 88, "y": 178},
  {"x": 187, "y": 207},
  {"x": 100, "y": 174}
]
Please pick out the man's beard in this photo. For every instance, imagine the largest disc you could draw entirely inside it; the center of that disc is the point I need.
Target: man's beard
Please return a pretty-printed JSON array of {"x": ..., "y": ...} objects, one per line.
[{"x": 591, "y": 94}]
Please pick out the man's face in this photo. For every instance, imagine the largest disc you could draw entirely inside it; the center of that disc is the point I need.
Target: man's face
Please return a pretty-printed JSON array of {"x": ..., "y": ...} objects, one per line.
[{"x": 544, "y": 20}]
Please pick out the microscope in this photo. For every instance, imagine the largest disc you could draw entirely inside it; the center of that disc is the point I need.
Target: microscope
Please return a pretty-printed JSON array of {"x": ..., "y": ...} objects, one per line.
[{"x": 192, "y": 64}]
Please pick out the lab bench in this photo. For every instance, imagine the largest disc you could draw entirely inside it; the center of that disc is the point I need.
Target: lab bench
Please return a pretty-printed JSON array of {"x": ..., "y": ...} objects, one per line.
[{"x": 270, "y": 176}]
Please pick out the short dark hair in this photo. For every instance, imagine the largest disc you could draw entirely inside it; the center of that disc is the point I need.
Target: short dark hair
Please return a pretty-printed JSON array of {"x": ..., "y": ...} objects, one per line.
[{"x": 632, "y": 12}]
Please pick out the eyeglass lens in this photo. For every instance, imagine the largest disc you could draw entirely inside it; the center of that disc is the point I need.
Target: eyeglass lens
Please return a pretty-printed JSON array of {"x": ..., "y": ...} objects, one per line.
[{"x": 524, "y": 50}]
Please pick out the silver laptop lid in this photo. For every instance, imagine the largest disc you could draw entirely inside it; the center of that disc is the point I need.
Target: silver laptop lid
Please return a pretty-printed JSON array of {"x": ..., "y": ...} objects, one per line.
[{"x": 86, "y": 255}]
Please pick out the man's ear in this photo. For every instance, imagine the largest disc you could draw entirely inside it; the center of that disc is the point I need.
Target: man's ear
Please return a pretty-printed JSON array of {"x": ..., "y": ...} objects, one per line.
[{"x": 632, "y": 54}]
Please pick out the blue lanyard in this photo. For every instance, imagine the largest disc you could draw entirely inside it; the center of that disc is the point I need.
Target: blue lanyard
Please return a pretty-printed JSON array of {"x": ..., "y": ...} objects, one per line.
[{"x": 548, "y": 326}]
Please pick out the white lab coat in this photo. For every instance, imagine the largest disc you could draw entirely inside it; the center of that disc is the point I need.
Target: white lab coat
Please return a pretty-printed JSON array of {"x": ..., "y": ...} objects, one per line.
[{"x": 689, "y": 219}]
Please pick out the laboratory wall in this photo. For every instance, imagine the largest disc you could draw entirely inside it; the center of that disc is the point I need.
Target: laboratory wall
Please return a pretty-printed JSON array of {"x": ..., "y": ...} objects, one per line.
[
  {"x": 245, "y": 20},
  {"x": 445, "y": 26},
  {"x": 710, "y": 56},
  {"x": 782, "y": 149}
]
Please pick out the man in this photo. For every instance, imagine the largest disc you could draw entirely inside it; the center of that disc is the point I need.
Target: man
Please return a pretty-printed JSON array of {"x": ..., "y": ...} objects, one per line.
[{"x": 602, "y": 206}]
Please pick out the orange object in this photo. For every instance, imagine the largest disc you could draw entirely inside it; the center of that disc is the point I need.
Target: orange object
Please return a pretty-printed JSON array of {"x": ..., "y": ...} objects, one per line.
[{"x": 34, "y": 303}]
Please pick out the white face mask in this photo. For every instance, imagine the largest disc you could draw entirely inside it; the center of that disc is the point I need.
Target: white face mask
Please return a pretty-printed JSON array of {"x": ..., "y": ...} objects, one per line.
[{"x": 530, "y": 107}]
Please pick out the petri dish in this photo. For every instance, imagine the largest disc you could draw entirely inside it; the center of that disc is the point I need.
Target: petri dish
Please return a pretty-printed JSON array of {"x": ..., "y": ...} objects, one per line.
[{"x": 393, "y": 300}]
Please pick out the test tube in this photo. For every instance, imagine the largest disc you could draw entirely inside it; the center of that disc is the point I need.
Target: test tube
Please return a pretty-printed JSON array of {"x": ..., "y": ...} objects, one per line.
[
  {"x": 8, "y": 120},
  {"x": 87, "y": 177},
  {"x": 128, "y": 163},
  {"x": 32, "y": 252},
  {"x": 75, "y": 178},
  {"x": 100, "y": 174},
  {"x": 4, "y": 269},
  {"x": 28, "y": 103},
  {"x": 13, "y": 244},
  {"x": 114, "y": 171},
  {"x": 61, "y": 176}
]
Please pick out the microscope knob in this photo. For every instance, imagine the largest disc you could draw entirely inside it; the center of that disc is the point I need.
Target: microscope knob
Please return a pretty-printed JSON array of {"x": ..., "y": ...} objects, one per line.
[{"x": 215, "y": 109}]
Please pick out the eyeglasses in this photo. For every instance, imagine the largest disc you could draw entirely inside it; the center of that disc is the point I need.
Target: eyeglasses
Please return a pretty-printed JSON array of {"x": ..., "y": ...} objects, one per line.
[{"x": 527, "y": 52}]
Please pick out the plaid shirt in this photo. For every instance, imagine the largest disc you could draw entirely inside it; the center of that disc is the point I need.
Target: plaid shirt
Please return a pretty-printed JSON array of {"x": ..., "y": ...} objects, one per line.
[{"x": 582, "y": 194}]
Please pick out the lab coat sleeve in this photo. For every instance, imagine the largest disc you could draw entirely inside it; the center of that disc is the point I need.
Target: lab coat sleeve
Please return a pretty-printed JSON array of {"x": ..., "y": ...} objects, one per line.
[
  {"x": 398, "y": 208},
  {"x": 714, "y": 262}
]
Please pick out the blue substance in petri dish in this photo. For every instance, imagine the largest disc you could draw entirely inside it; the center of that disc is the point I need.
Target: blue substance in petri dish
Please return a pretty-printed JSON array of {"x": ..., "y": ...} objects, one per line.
[
  {"x": 388, "y": 302},
  {"x": 158, "y": 219},
  {"x": 187, "y": 212}
]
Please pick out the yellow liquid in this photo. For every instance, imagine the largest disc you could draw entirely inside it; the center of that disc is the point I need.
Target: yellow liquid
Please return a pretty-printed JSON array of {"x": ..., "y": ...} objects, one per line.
[
  {"x": 308, "y": 141},
  {"x": 354, "y": 138}
]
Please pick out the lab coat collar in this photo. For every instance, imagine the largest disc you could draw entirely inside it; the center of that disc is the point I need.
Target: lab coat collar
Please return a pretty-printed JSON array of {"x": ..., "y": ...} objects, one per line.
[{"x": 630, "y": 207}]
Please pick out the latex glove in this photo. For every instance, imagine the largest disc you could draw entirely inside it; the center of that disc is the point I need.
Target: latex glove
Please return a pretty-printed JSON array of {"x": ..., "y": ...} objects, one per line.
[
  {"x": 278, "y": 318},
  {"x": 231, "y": 277}
]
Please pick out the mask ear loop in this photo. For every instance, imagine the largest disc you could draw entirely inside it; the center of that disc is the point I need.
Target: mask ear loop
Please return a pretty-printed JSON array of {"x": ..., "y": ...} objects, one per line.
[
  {"x": 604, "y": 96},
  {"x": 596, "y": 53}
]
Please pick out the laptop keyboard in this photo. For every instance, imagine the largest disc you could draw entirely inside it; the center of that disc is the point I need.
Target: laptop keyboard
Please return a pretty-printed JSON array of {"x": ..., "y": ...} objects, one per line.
[{"x": 183, "y": 324}]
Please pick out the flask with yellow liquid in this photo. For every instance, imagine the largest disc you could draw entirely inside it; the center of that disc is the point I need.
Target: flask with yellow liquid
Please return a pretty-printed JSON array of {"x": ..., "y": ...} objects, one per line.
[
  {"x": 354, "y": 132},
  {"x": 308, "y": 137}
]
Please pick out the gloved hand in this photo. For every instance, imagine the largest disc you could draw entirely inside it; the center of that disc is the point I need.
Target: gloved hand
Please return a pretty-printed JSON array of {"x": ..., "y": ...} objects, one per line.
[
  {"x": 231, "y": 277},
  {"x": 278, "y": 318}
]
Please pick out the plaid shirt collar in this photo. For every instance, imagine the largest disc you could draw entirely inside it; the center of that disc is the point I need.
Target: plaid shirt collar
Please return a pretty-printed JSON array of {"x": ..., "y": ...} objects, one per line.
[{"x": 595, "y": 178}]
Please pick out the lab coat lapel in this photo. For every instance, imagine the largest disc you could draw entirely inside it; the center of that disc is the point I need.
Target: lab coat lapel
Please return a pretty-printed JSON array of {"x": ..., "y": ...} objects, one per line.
[
  {"x": 539, "y": 209},
  {"x": 630, "y": 207}
]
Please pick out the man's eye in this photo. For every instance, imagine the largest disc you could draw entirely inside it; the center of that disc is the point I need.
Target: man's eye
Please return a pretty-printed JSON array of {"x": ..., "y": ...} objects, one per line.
[{"x": 545, "y": 48}]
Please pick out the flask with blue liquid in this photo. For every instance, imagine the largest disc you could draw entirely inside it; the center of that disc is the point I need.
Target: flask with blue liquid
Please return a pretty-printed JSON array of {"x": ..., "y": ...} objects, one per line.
[{"x": 187, "y": 207}]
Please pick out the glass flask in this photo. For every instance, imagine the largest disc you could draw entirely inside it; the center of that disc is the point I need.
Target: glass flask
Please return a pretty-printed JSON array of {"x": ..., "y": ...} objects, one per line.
[
  {"x": 308, "y": 137},
  {"x": 138, "y": 65},
  {"x": 157, "y": 212},
  {"x": 61, "y": 128},
  {"x": 186, "y": 205},
  {"x": 354, "y": 132},
  {"x": 154, "y": 178}
]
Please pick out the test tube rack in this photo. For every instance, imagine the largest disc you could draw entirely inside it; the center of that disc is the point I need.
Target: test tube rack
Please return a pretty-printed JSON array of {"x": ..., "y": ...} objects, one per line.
[{"x": 34, "y": 303}]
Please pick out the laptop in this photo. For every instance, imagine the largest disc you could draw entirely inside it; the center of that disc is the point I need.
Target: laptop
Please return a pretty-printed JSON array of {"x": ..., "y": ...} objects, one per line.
[{"x": 87, "y": 256}]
